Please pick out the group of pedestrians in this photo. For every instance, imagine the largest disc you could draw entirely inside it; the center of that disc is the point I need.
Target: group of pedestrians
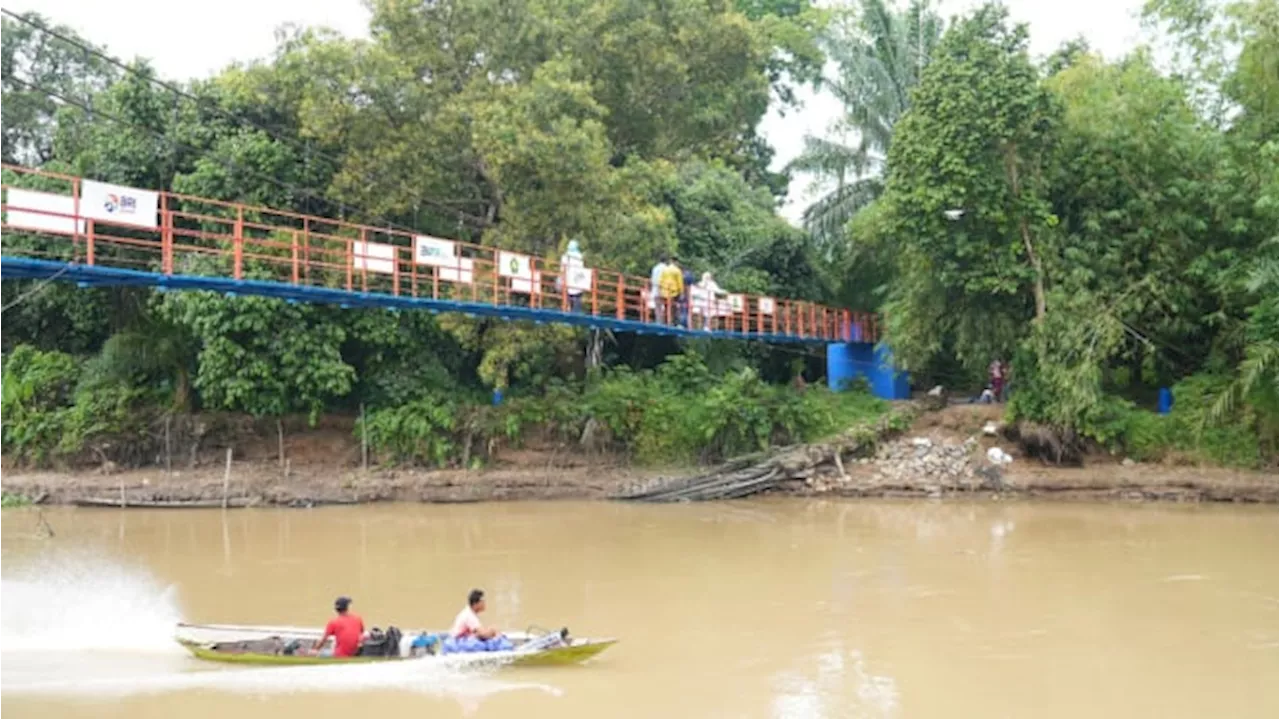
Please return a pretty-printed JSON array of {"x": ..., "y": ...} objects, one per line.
[
  {"x": 675, "y": 293},
  {"x": 671, "y": 294}
]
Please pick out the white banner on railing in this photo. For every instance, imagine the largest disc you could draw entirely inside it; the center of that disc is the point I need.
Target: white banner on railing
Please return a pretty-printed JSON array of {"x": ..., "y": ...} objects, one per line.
[
  {"x": 737, "y": 302},
  {"x": 26, "y": 208},
  {"x": 464, "y": 272},
  {"x": 532, "y": 286},
  {"x": 435, "y": 251},
  {"x": 374, "y": 257},
  {"x": 580, "y": 278},
  {"x": 766, "y": 305},
  {"x": 515, "y": 265},
  {"x": 119, "y": 204}
]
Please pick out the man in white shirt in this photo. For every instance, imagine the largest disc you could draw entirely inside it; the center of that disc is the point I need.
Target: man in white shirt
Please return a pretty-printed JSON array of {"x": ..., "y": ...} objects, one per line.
[{"x": 467, "y": 623}]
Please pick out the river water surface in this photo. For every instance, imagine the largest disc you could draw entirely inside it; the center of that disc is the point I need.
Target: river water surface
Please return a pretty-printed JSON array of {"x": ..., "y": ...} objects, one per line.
[{"x": 747, "y": 609}]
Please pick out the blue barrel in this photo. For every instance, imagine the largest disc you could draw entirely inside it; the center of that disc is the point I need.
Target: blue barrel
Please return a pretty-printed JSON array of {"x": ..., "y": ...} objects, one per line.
[{"x": 1165, "y": 404}]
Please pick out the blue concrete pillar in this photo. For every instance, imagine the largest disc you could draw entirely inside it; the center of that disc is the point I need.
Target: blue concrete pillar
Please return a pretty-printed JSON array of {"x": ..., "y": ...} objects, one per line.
[
  {"x": 887, "y": 381},
  {"x": 847, "y": 361}
]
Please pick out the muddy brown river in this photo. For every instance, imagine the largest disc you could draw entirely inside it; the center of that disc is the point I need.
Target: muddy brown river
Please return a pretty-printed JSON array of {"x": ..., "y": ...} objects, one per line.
[{"x": 793, "y": 608}]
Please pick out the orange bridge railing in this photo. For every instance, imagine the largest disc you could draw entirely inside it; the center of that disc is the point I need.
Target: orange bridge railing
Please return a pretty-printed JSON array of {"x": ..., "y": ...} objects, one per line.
[{"x": 72, "y": 219}]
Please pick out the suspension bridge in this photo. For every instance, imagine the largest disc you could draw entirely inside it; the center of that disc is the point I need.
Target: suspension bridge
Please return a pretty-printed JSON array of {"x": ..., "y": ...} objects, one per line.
[{"x": 63, "y": 228}]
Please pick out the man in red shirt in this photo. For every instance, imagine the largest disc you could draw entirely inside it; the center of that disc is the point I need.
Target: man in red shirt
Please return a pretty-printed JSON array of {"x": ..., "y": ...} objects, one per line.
[{"x": 347, "y": 630}]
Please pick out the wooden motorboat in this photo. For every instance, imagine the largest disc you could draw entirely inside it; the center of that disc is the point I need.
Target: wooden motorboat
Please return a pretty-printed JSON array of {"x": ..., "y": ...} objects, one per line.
[{"x": 287, "y": 646}]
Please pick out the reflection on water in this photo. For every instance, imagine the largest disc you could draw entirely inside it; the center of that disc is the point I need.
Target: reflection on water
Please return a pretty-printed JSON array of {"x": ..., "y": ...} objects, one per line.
[{"x": 762, "y": 608}]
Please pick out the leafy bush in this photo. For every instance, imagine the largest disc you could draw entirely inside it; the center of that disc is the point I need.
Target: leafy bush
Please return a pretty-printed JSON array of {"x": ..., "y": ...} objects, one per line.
[
  {"x": 1182, "y": 434},
  {"x": 46, "y": 416},
  {"x": 419, "y": 432},
  {"x": 680, "y": 412}
]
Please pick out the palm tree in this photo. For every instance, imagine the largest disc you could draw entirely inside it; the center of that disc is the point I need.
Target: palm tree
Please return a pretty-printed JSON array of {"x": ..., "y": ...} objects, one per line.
[
  {"x": 1256, "y": 375},
  {"x": 880, "y": 53}
]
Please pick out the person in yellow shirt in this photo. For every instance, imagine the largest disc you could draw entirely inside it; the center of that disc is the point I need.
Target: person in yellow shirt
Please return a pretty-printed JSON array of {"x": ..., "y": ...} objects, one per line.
[{"x": 670, "y": 289}]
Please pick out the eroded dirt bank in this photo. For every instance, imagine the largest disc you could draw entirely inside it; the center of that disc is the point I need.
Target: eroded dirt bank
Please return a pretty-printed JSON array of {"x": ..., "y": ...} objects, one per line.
[{"x": 942, "y": 455}]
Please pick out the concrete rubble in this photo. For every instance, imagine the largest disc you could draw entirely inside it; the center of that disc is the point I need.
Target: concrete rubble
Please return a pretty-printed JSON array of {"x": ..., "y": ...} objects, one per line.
[{"x": 921, "y": 463}]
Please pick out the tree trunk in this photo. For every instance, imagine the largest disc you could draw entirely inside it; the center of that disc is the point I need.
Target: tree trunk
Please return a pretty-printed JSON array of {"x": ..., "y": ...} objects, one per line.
[
  {"x": 280, "y": 440},
  {"x": 1037, "y": 287},
  {"x": 595, "y": 350}
]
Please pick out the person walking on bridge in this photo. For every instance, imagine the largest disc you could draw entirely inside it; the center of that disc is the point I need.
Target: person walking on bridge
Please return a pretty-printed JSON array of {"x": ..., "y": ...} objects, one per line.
[
  {"x": 571, "y": 260},
  {"x": 655, "y": 281},
  {"x": 671, "y": 290}
]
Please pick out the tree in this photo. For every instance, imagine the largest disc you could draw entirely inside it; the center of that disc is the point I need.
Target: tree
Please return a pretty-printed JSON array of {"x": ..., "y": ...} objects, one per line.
[
  {"x": 977, "y": 138},
  {"x": 880, "y": 53},
  {"x": 263, "y": 356},
  {"x": 34, "y": 66}
]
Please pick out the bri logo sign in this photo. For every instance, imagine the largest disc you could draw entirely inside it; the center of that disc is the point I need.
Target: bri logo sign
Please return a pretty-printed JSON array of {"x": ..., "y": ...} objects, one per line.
[{"x": 121, "y": 204}]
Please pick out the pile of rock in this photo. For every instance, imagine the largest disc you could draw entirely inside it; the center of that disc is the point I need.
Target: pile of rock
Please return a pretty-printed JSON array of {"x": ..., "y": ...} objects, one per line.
[
  {"x": 923, "y": 461},
  {"x": 918, "y": 464}
]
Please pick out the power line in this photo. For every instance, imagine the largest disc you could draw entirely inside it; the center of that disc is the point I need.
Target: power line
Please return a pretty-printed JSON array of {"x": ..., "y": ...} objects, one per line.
[
  {"x": 227, "y": 164},
  {"x": 34, "y": 290},
  {"x": 298, "y": 191},
  {"x": 90, "y": 50}
]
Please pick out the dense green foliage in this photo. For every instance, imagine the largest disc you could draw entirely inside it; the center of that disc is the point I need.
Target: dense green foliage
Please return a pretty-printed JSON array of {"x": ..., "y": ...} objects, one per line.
[
  {"x": 629, "y": 125},
  {"x": 1108, "y": 227},
  {"x": 679, "y": 412}
]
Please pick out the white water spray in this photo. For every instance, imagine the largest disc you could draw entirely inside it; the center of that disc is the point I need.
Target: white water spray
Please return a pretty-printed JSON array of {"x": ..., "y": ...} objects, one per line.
[
  {"x": 87, "y": 626},
  {"x": 89, "y": 602}
]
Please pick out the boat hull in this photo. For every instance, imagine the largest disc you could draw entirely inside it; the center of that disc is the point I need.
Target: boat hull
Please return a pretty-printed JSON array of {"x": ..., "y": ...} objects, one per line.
[{"x": 202, "y": 640}]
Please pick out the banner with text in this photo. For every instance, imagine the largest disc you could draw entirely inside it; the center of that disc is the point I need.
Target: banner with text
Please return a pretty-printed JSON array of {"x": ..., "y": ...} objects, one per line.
[
  {"x": 26, "y": 209},
  {"x": 119, "y": 204},
  {"x": 435, "y": 251}
]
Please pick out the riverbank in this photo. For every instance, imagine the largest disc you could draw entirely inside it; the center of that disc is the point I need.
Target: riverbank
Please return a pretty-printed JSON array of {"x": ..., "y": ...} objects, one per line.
[{"x": 943, "y": 454}]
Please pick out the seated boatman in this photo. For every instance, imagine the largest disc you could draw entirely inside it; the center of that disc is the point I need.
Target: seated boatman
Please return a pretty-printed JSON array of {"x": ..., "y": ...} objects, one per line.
[
  {"x": 347, "y": 629},
  {"x": 467, "y": 623}
]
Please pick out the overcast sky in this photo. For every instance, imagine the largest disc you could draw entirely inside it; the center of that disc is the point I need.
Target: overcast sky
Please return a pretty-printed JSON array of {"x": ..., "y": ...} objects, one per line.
[{"x": 202, "y": 38}]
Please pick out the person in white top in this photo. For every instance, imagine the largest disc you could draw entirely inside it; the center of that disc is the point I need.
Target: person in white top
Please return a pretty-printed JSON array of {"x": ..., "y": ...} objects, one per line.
[
  {"x": 709, "y": 294},
  {"x": 467, "y": 623},
  {"x": 569, "y": 261}
]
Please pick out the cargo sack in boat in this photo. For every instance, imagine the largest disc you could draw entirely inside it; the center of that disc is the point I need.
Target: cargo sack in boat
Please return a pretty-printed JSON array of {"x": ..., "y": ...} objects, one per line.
[
  {"x": 469, "y": 644},
  {"x": 270, "y": 645},
  {"x": 423, "y": 644},
  {"x": 381, "y": 644}
]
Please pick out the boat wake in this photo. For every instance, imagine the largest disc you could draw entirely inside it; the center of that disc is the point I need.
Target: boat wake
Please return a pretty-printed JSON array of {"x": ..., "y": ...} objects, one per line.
[
  {"x": 87, "y": 626},
  {"x": 87, "y": 602}
]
